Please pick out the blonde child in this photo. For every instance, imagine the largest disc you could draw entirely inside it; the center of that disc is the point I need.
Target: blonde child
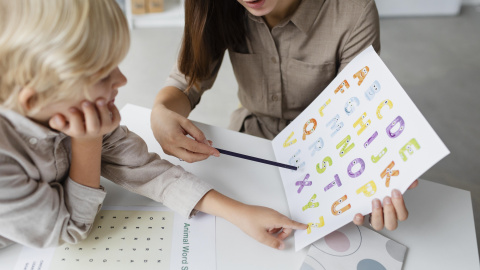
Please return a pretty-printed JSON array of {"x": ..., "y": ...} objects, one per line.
[{"x": 59, "y": 130}]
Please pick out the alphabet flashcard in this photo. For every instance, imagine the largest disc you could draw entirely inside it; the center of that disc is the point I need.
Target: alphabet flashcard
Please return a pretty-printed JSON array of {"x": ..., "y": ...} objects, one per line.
[{"x": 358, "y": 140}]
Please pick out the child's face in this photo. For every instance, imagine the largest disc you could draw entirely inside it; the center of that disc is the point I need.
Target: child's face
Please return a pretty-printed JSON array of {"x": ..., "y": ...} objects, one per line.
[{"x": 106, "y": 88}]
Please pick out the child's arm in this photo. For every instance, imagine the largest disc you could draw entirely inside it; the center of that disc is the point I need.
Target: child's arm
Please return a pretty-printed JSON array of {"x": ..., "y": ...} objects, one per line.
[
  {"x": 127, "y": 162},
  {"x": 39, "y": 212},
  {"x": 43, "y": 208},
  {"x": 260, "y": 223},
  {"x": 86, "y": 130}
]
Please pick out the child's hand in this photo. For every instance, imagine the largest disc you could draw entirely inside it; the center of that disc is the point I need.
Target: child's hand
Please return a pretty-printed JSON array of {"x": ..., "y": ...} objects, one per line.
[
  {"x": 263, "y": 224},
  {"x": 94, "y": 121},
  {"x": 266, "y": 225}
]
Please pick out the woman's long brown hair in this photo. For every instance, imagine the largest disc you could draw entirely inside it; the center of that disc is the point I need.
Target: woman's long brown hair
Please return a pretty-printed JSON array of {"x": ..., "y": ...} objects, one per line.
[{"x": 211, "y": 26}]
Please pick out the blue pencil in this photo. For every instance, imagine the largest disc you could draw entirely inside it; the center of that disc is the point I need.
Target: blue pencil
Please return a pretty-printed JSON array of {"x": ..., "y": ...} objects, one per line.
[{"x": 257, "y": 159}]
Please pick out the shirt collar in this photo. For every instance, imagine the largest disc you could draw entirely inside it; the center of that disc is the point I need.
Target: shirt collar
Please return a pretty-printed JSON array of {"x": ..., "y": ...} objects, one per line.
[
  {"x": 306, "y": 14},
  {"x": 304, "y": 17},
  {"x": 25, "y": 125}
]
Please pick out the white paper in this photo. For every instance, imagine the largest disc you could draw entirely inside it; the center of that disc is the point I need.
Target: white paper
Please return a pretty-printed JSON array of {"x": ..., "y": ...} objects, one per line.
[
  {"x": 336, "y": 179},
  {"x": 133, "y": 237},
  {"x": 354, "y": 247}
]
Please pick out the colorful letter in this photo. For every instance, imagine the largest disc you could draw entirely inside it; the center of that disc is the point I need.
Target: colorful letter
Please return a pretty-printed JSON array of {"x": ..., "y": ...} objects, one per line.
[
  {"x": 361, "y": 123},
  {"x": 323, "y": 167},
  {"x": 316, "y": 146},
  {"x": 383, "y": 103},
  {"x": 315, "y": 225},
  {"x": 361, "y": 74},
  {"x": 305, "y": 132},
  {"x": 370, "y": 140},
  {"x": 334, "y": 124},
  {"x": 372, "y": 90},
  {"x": 349, "y": 106},
  {"x": 311, "y": 203},
  {"x": 353, "y": 163},
  {"x": 345, "y": 149},
  {"x": 287, "y": 142},
  {"x": 335, "y": 182},
  {"x": 388, "y": 172},
  {"x": 341, "y": 87},
  {"x": 303, "y": 183},
  {"x": 343, "y": 209},
  {"x": 369, "y": 189},
  {"x": 408, "y": 147},
  {"x": 375, "y": 159},
  {"x": 398, "y": 120},
  {"x": 323, "y": 107},
  {"x": 295, "y": 160}
]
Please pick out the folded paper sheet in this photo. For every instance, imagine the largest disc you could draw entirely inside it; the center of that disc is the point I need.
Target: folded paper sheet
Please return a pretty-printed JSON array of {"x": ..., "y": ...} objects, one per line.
[
  {"x": 358, "y": 140},
  {"x": 353, "y": 247}
]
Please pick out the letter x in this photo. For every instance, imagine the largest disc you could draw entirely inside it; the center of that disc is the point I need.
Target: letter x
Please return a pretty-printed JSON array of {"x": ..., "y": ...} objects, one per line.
[{"x": 303, "y": 183}]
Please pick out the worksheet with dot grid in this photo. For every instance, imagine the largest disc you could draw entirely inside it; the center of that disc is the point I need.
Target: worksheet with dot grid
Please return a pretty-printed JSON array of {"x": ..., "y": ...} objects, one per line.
[{"x": 133, "y": 238}]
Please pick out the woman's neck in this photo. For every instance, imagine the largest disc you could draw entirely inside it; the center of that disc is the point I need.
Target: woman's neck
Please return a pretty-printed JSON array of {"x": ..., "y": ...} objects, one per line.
[{"x": 284, "y": 9}]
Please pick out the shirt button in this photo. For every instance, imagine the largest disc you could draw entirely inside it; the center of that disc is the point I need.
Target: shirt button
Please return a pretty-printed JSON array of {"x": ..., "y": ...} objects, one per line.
[
  {"x": 274, "y": 97},
  {"x": 33, "y": 140},
  {"x": 274, "y": 60}
]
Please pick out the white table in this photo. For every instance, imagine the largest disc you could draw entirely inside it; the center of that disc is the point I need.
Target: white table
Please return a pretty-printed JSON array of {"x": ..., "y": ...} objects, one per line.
[{"x": 439, "y": 233}]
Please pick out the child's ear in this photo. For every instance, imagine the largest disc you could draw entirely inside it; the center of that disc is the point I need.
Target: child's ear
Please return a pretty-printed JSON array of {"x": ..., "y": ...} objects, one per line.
[{"x": 26, "y": 98}]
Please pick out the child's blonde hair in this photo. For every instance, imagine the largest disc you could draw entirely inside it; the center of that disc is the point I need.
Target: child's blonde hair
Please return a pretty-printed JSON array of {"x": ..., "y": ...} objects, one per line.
[{"x": 58, "y": 47}]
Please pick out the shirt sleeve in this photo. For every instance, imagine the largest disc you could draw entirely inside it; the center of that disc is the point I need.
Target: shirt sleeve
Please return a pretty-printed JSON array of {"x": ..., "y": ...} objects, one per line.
[
  {"x": 365, "y": 33},
  {"x": 177, "y": 79},
  {"x": 43, "y": 214},
  {"x": 127, "y": 162}
]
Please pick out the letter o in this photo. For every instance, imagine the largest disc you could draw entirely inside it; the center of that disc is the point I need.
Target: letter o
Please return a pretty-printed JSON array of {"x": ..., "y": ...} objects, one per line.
[{"x": 353, "y": 163}]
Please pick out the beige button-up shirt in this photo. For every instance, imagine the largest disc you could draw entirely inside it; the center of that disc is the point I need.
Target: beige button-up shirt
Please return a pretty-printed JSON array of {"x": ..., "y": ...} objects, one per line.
[
  {"x": 41, "y": 206},
  {"x": 281, "y": 71}
]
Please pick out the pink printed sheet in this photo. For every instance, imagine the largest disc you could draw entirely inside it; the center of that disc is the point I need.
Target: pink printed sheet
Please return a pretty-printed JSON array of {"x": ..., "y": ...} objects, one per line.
[
  {"x": 358, "y": 140},
  {"x": 354, "y": 247}
]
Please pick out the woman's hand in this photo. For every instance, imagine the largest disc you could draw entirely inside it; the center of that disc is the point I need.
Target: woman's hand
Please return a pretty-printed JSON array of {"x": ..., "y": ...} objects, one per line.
[
  {"x": 266, "y": 225},
  {"x": 91, "y": 122},
  {"x": 393, "y": 210},
  {"x": 171, "y": 130}
]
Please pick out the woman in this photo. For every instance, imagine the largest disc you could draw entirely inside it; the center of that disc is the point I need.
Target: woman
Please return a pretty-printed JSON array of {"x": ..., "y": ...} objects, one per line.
[{"x": 283, "y": 53}]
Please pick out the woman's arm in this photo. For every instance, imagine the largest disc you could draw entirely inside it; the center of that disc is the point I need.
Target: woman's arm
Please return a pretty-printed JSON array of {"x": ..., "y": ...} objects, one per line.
[{"x": 172, "y": 98}]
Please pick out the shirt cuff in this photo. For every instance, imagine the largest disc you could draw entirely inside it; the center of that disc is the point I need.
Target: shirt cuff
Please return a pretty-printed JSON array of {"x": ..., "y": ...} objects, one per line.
[
  {"x": 83, "y": 202},
  {"x": 187, "y": 191}
]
